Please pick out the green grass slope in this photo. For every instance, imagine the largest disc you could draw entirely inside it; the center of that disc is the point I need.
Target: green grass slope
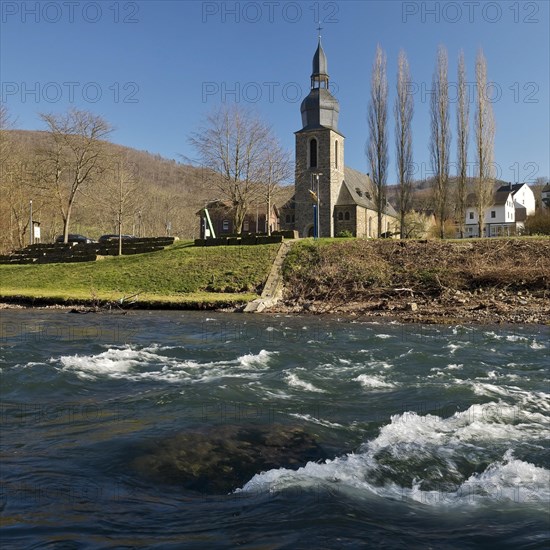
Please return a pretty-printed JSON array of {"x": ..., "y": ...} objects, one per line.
[{"x": 181, "y": 274}]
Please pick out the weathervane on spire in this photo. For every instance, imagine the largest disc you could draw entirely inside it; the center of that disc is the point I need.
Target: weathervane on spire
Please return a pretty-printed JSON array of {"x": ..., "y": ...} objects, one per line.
[{"x": 319, "y": 28}]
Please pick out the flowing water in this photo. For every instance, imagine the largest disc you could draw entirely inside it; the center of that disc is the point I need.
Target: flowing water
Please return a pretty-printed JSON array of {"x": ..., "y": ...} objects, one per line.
[{"x": 436, "y": 437}]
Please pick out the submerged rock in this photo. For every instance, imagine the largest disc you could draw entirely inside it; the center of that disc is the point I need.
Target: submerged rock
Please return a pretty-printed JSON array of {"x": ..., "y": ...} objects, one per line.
[{"x": 224, "y": 458}]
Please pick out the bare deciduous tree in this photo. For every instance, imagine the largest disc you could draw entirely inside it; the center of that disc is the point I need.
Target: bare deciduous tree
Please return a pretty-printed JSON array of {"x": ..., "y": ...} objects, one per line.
[
  {"x": 440, "y": 138},
  {"x": 403, "y": 111},
  {"x": 233, "y": 145},
  {"x": 539, "y": 184},
  {"x": 75, "y": 156},
  {"x": 462, "y": 135},
  {"x": 485, "y": 136},
  {"x": 118, "y": 191},
  {"x": 377, "y": 147},
  {"x": 278, "y": 169}
]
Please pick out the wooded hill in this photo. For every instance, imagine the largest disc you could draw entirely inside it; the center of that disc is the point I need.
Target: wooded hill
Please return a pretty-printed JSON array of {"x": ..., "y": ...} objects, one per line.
[{"x": 168, "y": 194}]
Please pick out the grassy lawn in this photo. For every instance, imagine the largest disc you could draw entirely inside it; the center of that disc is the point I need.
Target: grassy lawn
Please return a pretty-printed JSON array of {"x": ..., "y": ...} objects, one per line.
[{"x": 178, "y": 275}]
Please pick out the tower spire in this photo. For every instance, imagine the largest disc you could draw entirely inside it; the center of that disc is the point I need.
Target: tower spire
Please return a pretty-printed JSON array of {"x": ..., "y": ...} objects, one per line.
[
  {"x": 319, "y": 75},
  {"x": 320, "y": 108}
]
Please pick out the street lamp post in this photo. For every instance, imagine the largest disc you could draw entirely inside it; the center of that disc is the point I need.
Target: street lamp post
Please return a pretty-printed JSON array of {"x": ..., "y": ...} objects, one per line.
[
  {"x": 316, "y": 207},
  {"x": 31, "y": 228}
]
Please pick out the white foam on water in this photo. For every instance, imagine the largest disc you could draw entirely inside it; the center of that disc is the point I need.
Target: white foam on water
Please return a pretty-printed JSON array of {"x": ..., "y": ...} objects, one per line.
[
  {"x": 315, "y": 420},
  {"x": 373, "y": 382},
  {"x": 132, "y": 363},
  {"x": 295, "y": 382},
  {"x": 260, "y": 360},
  {"x": 453, "y": 347},
  {"x": 454, "y": 366},
  {"x": 384, "y": 336},
  {"x": 536, "y": 345},
  {"x": 409, "y": 436}
]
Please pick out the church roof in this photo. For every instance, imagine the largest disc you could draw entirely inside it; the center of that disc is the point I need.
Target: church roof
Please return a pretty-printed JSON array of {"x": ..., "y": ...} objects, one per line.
[
  {"x": 320, "y": 65},
  {"x": 359, "y": 187},
  {"x": 320, "y": 109}
]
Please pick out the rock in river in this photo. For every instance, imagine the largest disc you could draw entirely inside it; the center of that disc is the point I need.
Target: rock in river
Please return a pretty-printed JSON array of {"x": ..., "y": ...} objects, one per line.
[{"x": 223, "y": 458}]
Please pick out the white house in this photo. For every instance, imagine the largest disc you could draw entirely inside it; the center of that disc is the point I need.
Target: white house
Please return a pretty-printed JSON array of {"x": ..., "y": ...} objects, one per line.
[{"x": 506, "y": 216}]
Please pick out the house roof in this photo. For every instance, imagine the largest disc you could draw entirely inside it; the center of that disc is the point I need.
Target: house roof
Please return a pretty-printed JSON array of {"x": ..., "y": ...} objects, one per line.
[
  {"x": 546, "y": 188},
  {"x": 499, "y": 198},
  {"x": 514, "y": 188}
]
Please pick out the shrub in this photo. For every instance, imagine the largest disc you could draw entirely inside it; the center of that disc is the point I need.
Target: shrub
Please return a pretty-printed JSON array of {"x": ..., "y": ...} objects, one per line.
[{"x": 538, "y": 223}]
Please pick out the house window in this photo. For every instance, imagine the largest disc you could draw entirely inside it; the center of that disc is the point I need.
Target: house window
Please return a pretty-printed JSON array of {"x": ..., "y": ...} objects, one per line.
[
  {"x": 493, "y": 214},
  {"x": 246, "y": 226},
  {"x": 293, "y": 218},
  {"x": 346, "y": 216},
  {"x": 471, "y": 215},
  {"x": 225, "y": 225},
  {"x": 313, "y": 153},
  {"x": 340, "y": 216},
  {"x": 370, "y": 227},
  {"x": 336, "y": 154}
]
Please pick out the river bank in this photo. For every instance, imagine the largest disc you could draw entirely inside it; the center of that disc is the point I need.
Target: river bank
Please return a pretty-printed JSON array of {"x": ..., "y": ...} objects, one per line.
[
  {"x": 476, "y": 281},
  {"x": 485, "y": 281}
]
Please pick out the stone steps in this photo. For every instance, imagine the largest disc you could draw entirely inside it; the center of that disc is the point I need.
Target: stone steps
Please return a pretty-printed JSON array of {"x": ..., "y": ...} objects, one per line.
[{"x": 273, "y": 289}]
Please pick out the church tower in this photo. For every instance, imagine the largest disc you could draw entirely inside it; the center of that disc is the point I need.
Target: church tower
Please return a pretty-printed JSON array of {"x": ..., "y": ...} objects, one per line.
[{"x": 319, "y": 153}]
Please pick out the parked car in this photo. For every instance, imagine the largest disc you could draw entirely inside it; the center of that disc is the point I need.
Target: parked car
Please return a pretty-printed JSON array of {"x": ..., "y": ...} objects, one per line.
[
  {"x": 107, "y": 238},
  {"x": 74, "y": 238}
]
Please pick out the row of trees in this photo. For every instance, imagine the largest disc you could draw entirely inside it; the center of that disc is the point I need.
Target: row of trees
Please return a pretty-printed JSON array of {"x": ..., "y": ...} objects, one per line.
[
  {"x": 73, "y": 167},
  {"x": 76, "y": 178},
  {"x": 440, "y": 139}
]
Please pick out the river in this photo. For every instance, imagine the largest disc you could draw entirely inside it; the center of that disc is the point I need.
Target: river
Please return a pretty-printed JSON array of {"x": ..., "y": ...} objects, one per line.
[{"x": 434, "y": 436}]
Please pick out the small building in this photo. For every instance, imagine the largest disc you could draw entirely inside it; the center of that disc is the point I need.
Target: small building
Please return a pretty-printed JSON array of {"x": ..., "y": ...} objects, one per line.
[
  {"x": 507, "y": 214},
  {"x": 221, "y": 216}
]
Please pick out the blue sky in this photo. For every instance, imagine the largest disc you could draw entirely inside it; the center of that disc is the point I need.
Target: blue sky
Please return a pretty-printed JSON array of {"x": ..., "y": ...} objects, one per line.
[{"x": 155, "y": 68}]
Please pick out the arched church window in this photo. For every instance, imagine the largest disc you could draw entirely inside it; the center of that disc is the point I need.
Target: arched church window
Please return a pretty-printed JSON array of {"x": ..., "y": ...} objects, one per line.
[
  {"x": 336, "y": 154},
  {"x": 347, "y": 216},
  {"x": 340, "y": 216},
  {"x": 313, "y": 153}
]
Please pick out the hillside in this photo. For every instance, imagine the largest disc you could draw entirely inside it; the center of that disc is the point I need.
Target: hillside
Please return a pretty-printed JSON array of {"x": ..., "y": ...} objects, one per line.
[{"x": 167, "y": 196}]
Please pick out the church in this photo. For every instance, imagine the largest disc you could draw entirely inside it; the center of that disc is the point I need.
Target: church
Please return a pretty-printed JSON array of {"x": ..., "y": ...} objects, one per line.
[{"x": 328, "y": 195}]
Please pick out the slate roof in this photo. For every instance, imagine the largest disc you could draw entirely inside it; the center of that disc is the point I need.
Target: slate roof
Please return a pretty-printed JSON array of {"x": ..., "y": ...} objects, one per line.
[
  {"x": 499, "y": 198},
  {"x": 514, "y": 188},
  {"x": 349, "y": 196},
  {"x": 320, "y": 65},
  {"x": 359, "y": 187}
]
